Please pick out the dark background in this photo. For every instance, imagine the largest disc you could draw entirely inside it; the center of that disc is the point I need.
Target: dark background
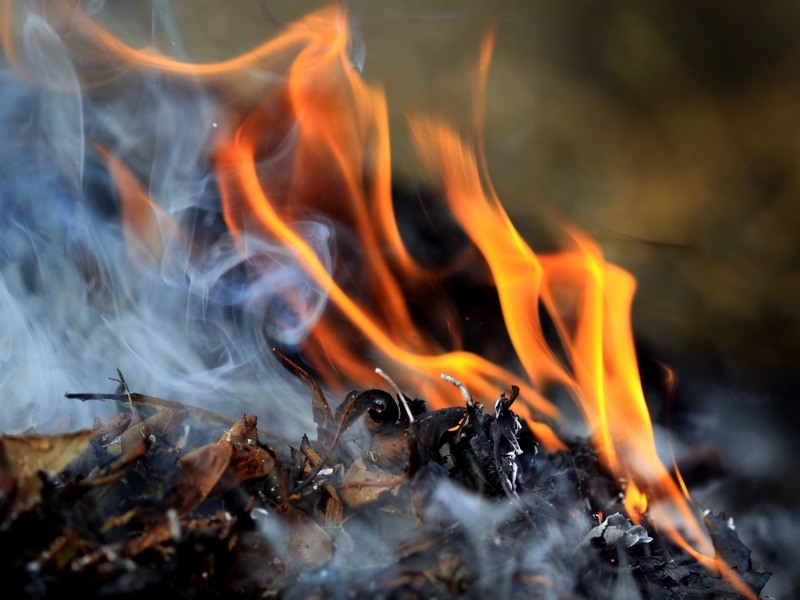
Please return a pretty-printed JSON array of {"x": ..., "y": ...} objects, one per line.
[{"x": 669, "y": 131}]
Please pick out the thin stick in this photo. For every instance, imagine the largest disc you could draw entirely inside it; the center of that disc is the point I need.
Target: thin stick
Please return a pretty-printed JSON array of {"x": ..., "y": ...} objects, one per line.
[
  {"x": 123, "y": 385},
  {"x": 460, "y": 386},
  {"x": 400, "y": 395}
]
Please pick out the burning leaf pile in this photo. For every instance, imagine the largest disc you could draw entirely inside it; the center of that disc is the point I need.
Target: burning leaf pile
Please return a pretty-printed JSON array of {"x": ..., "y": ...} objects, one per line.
[
  {"x": 185, "y": 217},
  {"x": 389, "y": 500}
]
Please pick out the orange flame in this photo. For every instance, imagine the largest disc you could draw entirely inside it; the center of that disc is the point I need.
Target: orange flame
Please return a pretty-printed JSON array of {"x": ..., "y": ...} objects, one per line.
[{"x": 316, "y": 142}]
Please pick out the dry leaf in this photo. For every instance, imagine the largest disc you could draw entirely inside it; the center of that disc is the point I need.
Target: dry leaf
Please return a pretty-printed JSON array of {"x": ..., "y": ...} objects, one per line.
[
  {"x": 250, "y": 462},
  {"x": 200, "y": 471},
  {"x": 243, "y": 431},
  {"x": 307, "y": 543},
  {"x": 24, "y": 456},
  {"x": 105, "y": 433},
  {"x": 363, "y": 484},
  {"x": 323, "y": 416},
  {"x": 295, "y": 537},
  {"x": 158, "y": 425}
]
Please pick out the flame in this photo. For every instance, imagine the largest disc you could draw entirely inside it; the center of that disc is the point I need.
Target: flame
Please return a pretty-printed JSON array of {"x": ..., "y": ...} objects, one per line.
[{"x": 312, "y": 139}]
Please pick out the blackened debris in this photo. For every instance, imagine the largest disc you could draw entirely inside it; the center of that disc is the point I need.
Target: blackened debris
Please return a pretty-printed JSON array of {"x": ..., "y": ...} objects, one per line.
[
  {"x": 617, "y": 529},
  {"x": 459, "y": 503}
]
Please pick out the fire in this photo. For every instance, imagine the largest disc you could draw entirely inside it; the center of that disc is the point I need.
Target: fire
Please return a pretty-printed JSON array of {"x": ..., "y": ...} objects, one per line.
[{"x": 312, "y": 140}]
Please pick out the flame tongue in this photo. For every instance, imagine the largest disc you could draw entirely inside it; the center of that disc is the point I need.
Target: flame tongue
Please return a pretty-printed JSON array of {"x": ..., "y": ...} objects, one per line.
[
  {"x": 588, "y": 299},
  {"x": 303, "y": 165},
  {"x": 307, "y": 161}
]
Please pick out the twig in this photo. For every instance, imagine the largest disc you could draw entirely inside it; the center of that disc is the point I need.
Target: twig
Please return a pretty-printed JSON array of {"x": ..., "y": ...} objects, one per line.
[
  {"x": 400, "y": 396},
  {"x": 460, "y": 386},
  {"x": 201, "y": 414},
  {"x": 123, "y": 385}
]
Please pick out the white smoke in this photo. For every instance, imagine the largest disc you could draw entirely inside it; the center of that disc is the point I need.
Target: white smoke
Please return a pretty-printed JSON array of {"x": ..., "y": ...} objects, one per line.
[{"x": 74, "y": 307}]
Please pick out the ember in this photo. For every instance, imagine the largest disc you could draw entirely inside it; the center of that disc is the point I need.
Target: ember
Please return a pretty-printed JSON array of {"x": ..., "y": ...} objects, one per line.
[{"x": 257, "y": 228}]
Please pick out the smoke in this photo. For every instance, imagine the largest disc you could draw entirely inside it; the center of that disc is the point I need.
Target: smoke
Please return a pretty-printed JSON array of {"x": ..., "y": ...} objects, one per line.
[{"x": 191, "y": 323}]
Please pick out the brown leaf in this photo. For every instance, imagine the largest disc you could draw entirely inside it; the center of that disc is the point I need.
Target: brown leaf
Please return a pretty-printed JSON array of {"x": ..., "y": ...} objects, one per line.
[
  {"x": 295, "y": 537},
  {"x": 391, "y": 448},
  {"x": 24, "y": 456},
  {"x": 116, "y": 469},
  {"x": 313, "y": 461},
  {"x": 216, "y": 468},
  {"x": 105, "y": 433},
  {"x": 247, "y": 460},
  {"x": 250, "y": 462},
  {"x": 333, "y": 513},
  {"x": 364, "y": 484},
  {"x": 243, "y": 431},
  {"x": 158, "y": 424},
  {"x": 307, "y": 543},
  {"x": 320, "y": 409},
  {"x": 199, "y": 472}
]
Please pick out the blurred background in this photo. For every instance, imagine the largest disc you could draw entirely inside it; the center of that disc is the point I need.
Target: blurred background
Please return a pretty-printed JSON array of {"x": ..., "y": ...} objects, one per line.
[{"x": 669, "y": 131}]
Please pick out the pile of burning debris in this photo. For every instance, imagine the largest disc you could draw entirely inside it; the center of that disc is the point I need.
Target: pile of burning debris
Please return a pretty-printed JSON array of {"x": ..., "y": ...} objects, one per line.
[
  {"x": 163, "y": 207},
  {"x": 389, "y": 500}
]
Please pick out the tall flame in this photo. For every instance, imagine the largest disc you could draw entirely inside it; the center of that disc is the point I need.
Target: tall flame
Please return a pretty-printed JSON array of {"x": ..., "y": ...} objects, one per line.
[{"x": 303, "y": 137}]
